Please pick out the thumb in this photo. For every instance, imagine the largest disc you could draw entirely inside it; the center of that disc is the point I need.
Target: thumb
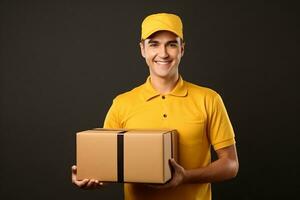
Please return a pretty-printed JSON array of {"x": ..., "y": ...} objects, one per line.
[
  {"x": 174, "y": 163},
  {"x": 74, "y": 172},
  {"x": 74, "y": 169}
]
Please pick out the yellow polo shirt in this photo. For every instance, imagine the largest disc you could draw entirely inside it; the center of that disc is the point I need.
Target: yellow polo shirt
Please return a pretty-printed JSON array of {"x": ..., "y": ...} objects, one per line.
[{"x": 199, "y": 116}]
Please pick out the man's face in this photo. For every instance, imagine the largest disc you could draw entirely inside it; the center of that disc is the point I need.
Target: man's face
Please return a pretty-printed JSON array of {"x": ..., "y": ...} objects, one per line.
[{"x": 162, "y": 51}]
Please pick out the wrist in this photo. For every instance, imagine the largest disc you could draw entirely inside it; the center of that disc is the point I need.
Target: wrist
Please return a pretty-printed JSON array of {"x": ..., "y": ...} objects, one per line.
[{"x": 186, "y": 176}]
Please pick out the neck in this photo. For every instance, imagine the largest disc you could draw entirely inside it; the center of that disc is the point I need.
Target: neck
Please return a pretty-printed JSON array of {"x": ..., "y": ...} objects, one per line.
[{"x": 164, "y": 85}]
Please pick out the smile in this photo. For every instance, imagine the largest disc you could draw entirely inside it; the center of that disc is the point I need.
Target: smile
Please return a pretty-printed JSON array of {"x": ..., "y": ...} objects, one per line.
[{"x": 162, "y": 62}]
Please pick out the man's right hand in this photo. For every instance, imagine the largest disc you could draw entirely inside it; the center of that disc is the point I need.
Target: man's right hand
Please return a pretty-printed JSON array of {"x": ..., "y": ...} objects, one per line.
[{"x": 85, "y": 183}]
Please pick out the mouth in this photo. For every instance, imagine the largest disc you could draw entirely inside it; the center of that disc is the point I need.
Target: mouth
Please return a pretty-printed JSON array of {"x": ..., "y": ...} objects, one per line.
[{"x": 164, "y": 62}]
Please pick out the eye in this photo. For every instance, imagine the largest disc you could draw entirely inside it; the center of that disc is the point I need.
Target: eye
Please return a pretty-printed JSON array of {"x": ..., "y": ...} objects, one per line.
[
  {"x": 153, "y": 44},
  {"x": 173, "y": 45}
]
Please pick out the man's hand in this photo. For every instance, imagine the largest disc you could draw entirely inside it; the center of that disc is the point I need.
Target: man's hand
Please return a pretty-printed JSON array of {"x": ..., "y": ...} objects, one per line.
[
  {"x": 85, "y": 183},
  {"x": 178, "y": 177}
]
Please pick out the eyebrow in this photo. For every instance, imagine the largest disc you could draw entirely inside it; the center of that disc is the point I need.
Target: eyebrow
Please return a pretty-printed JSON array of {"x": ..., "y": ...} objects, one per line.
[{"x": 169, "y": 42}]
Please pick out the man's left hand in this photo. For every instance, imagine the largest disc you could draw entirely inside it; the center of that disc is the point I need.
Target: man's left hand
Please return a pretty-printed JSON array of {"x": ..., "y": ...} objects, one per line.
[{"x": 178, "y": 177}]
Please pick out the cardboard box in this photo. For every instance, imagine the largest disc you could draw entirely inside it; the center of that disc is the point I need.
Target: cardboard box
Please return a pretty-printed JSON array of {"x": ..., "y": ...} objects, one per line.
[{"x": 140, "y": 156}]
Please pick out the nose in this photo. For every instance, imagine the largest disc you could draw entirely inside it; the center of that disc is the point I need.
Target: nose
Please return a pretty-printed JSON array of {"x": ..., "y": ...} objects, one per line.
[{"x": 163, "y": 52}]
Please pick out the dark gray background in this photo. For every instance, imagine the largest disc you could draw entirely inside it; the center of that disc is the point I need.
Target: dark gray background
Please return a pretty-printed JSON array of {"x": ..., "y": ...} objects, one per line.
[{"x": 62, "y": 63}]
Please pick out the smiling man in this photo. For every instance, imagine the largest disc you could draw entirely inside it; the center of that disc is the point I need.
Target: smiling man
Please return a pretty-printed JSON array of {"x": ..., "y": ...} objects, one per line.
[{"x": 166, "y": 101}]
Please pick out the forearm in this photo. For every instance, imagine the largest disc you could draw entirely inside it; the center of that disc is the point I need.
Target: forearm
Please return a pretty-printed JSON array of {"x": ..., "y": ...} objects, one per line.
[
  {"x": 226, "y": 167},
  {"x": 219, "y": 170}
]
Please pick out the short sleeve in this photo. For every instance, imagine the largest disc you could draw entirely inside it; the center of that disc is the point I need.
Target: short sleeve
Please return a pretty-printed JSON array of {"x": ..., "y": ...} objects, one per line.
[
  {"x": 112, "y": 117},
  {"x": 221, "y": 133}
]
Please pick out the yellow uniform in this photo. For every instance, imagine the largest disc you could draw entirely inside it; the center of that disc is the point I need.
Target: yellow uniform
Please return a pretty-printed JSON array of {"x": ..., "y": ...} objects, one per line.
[{"x": 199, "y": 116}]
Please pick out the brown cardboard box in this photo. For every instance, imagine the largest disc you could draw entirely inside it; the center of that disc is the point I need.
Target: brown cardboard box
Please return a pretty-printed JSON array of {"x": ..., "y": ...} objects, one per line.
[{"x": 126, "y": 155}]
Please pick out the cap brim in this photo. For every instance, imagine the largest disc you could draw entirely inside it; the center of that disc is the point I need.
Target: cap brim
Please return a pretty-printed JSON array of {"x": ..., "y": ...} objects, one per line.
[{"x": 148, "y": 34}]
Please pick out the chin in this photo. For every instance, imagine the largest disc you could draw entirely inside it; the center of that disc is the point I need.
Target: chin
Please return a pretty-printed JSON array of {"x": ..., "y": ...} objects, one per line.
[{"x": 163, "y": 75}]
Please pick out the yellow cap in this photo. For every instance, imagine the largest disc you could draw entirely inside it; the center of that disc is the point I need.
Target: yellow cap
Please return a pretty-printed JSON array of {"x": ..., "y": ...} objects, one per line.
[{"x": 161, "y": 22}]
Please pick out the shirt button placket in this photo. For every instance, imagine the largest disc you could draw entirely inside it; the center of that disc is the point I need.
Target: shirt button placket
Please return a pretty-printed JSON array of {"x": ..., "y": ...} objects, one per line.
[{"x": 164, "y": 111}]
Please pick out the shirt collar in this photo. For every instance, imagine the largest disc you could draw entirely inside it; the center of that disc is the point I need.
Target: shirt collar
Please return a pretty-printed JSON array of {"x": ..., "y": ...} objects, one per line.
[{"x": 149, "y": 92}]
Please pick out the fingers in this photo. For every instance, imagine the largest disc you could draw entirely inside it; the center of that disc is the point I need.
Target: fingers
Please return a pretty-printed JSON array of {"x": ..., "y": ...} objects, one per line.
[
  {"x": 93, "y": 184},
  {"x": 85, "y": 183},
  {"x": 89, "y": 184},
  {"x": 101, "y": 183}
]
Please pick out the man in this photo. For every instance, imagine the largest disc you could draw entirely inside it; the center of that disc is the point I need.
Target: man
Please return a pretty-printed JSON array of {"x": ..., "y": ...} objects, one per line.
[{"x": 167, "y": 101}]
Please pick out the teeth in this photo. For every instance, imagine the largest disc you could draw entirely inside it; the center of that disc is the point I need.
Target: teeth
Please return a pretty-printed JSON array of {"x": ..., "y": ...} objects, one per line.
[{"x": 162, "y": 62}]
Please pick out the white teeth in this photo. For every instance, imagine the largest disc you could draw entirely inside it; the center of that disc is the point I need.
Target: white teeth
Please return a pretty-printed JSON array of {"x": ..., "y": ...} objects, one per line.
[{"x": 162, "y": 62}]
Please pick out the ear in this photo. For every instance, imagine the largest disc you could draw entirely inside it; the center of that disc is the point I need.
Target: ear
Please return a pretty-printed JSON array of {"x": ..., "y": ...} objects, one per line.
[
  {"x": 182, "y": 48},
  {"x": 142, "y": 48}
]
